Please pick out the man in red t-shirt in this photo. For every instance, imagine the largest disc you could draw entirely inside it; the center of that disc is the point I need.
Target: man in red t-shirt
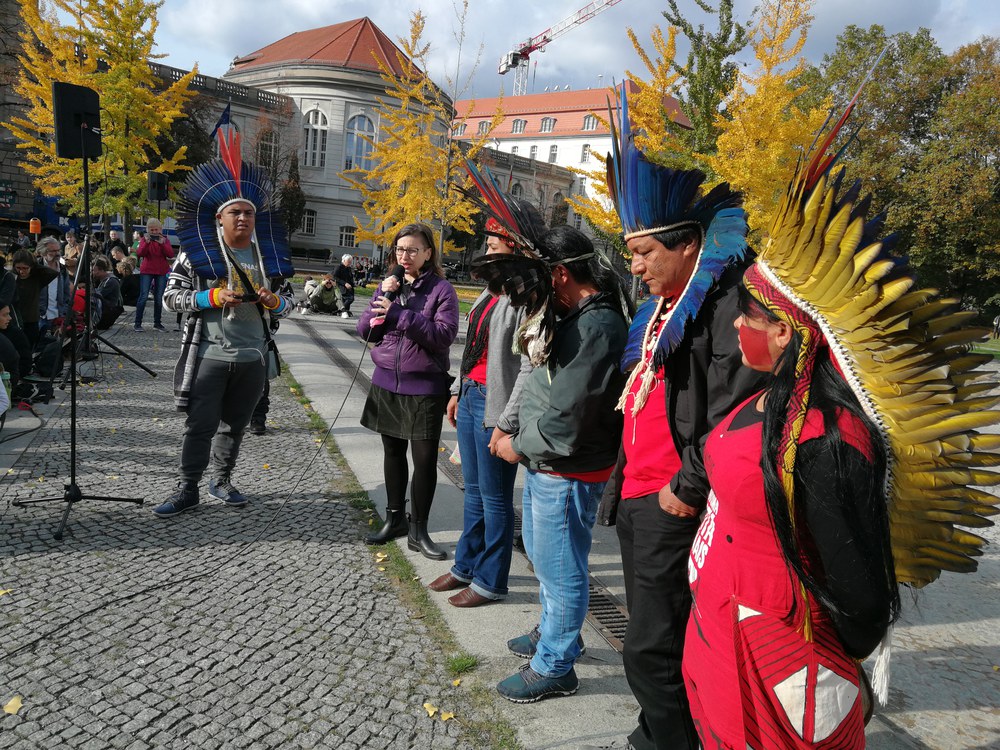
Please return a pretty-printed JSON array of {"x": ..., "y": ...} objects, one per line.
[{"x": 685, "y": 375}]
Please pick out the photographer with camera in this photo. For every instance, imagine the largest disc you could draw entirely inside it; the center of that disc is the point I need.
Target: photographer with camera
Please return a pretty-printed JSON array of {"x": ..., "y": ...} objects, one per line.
[
  {"x": 325, "y": 298},
  {"x": 155, "y": 253}
]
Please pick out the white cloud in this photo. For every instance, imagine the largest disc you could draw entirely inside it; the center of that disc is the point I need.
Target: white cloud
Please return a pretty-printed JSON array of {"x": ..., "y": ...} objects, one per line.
[{"x": 213, "y": 33}]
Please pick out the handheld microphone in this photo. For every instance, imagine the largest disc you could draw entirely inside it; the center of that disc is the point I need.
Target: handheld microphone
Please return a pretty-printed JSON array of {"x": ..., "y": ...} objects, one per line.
[{"x": 398, "y": 273}]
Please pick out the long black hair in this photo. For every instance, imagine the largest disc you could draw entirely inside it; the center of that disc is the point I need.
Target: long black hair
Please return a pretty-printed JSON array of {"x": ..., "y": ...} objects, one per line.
[
  {"x": 565, "y": 242},
  {"x": 830, "y": 394}
]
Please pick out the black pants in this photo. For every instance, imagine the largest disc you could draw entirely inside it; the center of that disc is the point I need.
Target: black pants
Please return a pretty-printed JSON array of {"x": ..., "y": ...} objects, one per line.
[
  {"x": 15, "y": 352},
  {"x": 222, "y": 399},
  {"x": 655, "y": 547},
  {"x": 425, "y": 453},
  {"x": 260, "y": 411}
]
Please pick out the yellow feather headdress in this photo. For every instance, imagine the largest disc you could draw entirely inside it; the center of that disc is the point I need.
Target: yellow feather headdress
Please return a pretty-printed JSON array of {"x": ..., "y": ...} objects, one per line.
[{"x": 904, "y": 351}]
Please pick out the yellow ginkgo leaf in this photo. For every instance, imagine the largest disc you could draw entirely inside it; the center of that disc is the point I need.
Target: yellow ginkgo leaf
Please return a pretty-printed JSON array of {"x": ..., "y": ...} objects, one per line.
[
  {"x": 382, "y": 569},
  {"x": 267, "y": 466},
  {"x": 13, "y": 705},
  {"x": 430, "y": 708},
  {"x": 381, "y": 555},
  {"x": 457, "y": 682},
  {"x": 445, "y": 715},
  {"x": 11, "y": 591}
]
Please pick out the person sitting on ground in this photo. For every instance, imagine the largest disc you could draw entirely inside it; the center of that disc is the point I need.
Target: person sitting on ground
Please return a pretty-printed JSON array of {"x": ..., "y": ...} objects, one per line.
[
  {"x": 108, "y": 289},
  {"x": 53, "y": 299},
  {"x": 71, "y": 252},
  {"x": 31, "y": 278},
  {"x": 326, "y": 297},
  {"x": 125, "y": 270},
  {"x": 344, "y": 276},
  {"x": 15, "y": 351}
]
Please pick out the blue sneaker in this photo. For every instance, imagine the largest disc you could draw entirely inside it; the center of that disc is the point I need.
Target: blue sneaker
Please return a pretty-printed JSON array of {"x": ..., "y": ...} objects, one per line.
[
  {"x": 526, "y": 645},
  {"x": 527, "y": 686},
  {"x": 226, "y": 492},
  {"x": 183, "y": 499}
]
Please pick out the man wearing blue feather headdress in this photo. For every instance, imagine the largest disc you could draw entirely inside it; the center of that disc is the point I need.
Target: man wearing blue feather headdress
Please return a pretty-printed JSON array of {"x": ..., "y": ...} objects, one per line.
[
  {"x": 229, "y": 280},
  {"x": 685, "y": 374}
]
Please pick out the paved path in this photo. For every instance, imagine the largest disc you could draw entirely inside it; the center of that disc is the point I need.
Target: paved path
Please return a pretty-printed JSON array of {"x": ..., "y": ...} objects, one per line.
[{"x": 293, "y": 638}]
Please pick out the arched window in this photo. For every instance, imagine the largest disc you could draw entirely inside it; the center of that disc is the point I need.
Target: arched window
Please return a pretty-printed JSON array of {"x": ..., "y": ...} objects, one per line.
[
  {"x": 358, "y": 150},
  {"x": 548, "y": 124},
  {"x": 516, "y": 190},
  {"x": 314, "y": 154},
  {"x": 585, "y": 153},
  {"x": 267, "y": 152},
  {"x": 553, "y": 154},
  {"x": 590, "y": 122},
  {"x": 484, "y": 127},
  {"x": 309, "y": 222}
]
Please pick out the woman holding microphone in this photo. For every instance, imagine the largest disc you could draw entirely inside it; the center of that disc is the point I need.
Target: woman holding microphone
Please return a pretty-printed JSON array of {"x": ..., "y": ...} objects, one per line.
[{"x": 412, "y": 321}]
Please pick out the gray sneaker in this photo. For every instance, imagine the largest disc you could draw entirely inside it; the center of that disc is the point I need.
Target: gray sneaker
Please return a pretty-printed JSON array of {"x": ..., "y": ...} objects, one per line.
[
  {"x": 225, "y": 491},
  {"x": 526, "y": 645}
]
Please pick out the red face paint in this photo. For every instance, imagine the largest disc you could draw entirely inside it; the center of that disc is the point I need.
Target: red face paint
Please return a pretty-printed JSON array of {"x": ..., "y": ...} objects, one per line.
[{"x": 753, "y": 344}]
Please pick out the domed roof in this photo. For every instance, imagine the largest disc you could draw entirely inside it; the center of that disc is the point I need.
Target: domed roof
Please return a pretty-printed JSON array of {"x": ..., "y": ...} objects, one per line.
[{"x": 351, "y": 44}]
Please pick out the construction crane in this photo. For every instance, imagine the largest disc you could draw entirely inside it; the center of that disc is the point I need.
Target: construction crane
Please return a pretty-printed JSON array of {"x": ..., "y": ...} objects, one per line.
[{"x": 517, "y": 58}]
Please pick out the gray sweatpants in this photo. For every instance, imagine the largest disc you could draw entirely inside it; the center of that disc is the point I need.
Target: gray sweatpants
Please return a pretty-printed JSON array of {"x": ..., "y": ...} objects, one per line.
[{"x": 222, "y": 400}]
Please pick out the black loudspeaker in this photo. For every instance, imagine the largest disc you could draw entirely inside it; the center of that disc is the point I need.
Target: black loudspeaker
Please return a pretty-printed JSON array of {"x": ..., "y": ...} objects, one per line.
[
  {"x": 77, "y": 114},
  {"x": 156, "y": 186}
]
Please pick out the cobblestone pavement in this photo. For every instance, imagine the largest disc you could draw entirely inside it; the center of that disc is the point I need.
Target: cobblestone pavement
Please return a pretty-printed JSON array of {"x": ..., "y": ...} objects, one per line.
[{"x": 292, "y": 639}]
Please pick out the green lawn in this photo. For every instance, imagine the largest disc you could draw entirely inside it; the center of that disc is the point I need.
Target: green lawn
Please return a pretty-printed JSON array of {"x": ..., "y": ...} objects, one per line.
[{"x": 466, "y": 294}]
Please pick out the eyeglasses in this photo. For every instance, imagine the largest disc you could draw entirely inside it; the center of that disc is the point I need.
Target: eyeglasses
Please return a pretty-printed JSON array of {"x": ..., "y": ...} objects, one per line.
[{"x": 411, "y": 251}]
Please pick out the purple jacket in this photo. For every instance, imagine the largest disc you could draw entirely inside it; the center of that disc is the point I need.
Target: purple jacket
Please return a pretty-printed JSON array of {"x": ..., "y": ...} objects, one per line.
[{"x": 411, "y": 345}]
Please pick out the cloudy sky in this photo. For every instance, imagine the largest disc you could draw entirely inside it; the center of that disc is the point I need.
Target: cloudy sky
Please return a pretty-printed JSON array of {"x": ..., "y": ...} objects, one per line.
[{"x": 591, "y": 55}]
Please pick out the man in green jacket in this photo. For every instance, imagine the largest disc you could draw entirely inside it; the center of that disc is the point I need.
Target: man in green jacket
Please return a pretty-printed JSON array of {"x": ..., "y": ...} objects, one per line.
[{"x": 568, "y": 439}]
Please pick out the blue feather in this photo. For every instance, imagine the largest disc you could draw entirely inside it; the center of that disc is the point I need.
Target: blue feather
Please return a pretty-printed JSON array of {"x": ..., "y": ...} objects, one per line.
[{"x": 208, "y": 187}]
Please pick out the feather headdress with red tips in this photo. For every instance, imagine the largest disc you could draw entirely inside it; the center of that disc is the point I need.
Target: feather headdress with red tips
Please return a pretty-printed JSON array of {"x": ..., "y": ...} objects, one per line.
[{"x": 210, "y": 188}]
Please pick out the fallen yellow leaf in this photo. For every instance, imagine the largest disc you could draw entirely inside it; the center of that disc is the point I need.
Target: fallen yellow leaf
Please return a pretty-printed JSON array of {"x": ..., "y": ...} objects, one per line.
[
  {"x": 11, "y": 591},
  {"x": 13, "y": 705},
  {"x": 445, "y": 715},
  {"x": 457, "y": 682},
  {"x": 382, "y": 569},
  {"x": 430, "y": 708},
  {"x": 267, "y": 466}
]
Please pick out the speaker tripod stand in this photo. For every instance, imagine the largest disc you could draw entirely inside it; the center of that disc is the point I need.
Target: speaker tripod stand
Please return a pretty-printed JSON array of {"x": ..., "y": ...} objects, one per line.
[{"x": 72, "y": 493}]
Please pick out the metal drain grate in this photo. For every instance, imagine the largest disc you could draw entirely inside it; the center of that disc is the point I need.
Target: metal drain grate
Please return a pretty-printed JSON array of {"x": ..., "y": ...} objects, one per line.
[{"x": 608, "y": 615}]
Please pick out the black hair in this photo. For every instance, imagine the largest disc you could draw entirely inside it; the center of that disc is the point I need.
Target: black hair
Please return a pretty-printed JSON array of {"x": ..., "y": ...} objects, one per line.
[
  {"x": 25, "y": 257},
  {"x": 831, "y": 395},
  {"x": 564, "y": 242},
  {"x": 680, "y": 236}
]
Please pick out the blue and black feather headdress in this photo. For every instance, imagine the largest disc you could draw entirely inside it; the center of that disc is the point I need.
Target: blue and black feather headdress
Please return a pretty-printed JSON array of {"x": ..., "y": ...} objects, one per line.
[
  {"x": 208, "y": 189},
  {"x": 651, "y": 199}
]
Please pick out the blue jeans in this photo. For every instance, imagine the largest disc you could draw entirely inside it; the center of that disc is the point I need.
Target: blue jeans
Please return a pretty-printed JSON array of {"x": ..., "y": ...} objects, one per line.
[
  {"x": 158, "y": 283},
  {"x": 483, "y": 554},
  {"x": 557, "y": 527}
]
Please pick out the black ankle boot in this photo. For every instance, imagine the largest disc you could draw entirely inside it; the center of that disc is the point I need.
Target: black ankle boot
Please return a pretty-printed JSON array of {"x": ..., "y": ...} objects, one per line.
[
  {"x": 395, "y": 526},
  {"x": 418, "y": 541}
]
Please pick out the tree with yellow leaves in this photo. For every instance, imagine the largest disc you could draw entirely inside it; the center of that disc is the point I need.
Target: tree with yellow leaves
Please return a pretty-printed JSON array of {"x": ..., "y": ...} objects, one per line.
[
  {"x": 414, "y": 161},
  {"x": 650, "y": 121},
  {"x": 108, "y": 49},
  {"x": 766, "y": 131}
]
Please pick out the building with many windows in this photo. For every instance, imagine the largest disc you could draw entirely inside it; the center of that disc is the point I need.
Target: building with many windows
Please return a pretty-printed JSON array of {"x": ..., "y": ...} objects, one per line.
[
  {"x": 333, "y": 80},
  {"x": 554, "y": 127}
]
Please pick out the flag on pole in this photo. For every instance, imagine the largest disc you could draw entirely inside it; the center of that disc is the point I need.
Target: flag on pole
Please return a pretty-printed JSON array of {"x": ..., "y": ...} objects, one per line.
[{"x": 223, "y": 120}]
